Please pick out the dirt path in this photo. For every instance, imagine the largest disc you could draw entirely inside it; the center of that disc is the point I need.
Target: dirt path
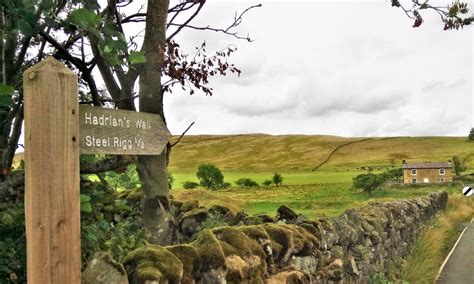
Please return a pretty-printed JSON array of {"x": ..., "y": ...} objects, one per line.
[{"x": 459, "y": 268}]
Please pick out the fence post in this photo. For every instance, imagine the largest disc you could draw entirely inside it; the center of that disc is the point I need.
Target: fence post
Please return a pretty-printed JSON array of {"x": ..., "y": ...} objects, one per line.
[{"x": 52, "y": 205}]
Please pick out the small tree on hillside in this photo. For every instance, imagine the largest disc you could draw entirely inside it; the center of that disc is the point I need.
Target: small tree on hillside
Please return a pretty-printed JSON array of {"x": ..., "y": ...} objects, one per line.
[
  {"x": 210, "y": 176},
  {"x": 471, "y": 134},
  {"x": 368, "y": 182},
  {"x": 459, "y": 165},
  {"x": 277, "y": 179}
]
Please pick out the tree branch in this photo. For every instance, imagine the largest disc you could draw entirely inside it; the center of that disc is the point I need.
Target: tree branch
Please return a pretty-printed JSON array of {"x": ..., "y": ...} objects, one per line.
[
  {"x": 179, "y": 139},
  {"x": 237, "y": 21},
  {"x": 180, "y": 27},
  {"x": 86, "y": 73}
]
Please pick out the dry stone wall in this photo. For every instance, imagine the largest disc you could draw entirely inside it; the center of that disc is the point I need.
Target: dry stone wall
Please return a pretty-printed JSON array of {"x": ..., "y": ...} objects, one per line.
[{"x": 287, "y": 249}]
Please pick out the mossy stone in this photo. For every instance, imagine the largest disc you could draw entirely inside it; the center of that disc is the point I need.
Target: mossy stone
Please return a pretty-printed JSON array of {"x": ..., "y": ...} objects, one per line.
[
  {"x": 219, "y": 209},
  {"x": 281, "y": 241},
  {"x": 190, "y": 259},
  {"x": 102, "y": 268},
  {"x": 153, "y": 263},
  {"x": 189, "y": 205},
  {"x": 210, "y": 251}
]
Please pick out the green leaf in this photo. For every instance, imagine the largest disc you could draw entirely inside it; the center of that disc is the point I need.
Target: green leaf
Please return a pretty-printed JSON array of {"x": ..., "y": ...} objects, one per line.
[
  {"x": 6, "y": 89},
  {"x": 86, "y": 207},
  {"x": 122, "y": 204},
  {"x": 84, "y": 18},
  {"x": 85, "y": 198},
  {"x": 137, "y": 57}
]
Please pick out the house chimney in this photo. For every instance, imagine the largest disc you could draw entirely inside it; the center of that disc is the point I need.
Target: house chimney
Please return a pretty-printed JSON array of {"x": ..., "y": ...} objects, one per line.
[
  {"x": 404, "y": 162},
  {"x": 449, "y": 161}
]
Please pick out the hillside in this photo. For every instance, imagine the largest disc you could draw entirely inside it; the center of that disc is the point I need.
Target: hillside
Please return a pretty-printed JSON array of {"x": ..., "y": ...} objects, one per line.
[{"x": 263, "y": 153}]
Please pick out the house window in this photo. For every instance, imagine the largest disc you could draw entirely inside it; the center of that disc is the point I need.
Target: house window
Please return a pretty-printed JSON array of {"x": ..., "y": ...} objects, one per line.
[
  {"x": 413, "y": 180},
  {"x": 413, "y": 172},
  {"x": 442, "y": 180},
  {"x": 442, "y": 172}
]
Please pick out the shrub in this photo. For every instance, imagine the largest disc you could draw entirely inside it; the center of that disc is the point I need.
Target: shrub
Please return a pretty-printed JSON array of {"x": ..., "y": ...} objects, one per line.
[
  {"x": 459, "y": 165},
  {"x": 226, "y": 185},
  {"x": 210, "y": 176},
  {"x": 190, "y": 185},
  {"x": 277, "y": 179},
  {"x": 246, "y": 182},
  {"x": 393, "y": 174},
  {"x": 267, "y": 182},
  {"x": 471, "y": 134},
  {"x": 368, "y": 182}
]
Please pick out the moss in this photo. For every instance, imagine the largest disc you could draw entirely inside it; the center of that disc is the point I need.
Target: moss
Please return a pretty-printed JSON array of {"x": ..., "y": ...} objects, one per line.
[
  {"x": 191, "y": 221},
  {"x": 235, "y": 241},
  {"x": 210, "y": 251},
  {"x": 133, "y": 196},
  {"x": 257, "y": 219},
  {"x": 219, "y": 209},
  {"x": 151, "y": 261},
  {"x": 189, "y": 205},
  {"x": 255, "y": 232},
  {"x": 305, "y": 242},
  {"x": 245, "y": 257},
  {"x": 190, "y": 259},
  {"x": 281, "y": 241},
  {"x": 146, "y": 271}
]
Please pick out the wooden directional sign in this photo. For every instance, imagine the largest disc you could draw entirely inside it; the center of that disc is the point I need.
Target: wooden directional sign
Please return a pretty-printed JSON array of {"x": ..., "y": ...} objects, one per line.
[{"x": 110, "y": 131}]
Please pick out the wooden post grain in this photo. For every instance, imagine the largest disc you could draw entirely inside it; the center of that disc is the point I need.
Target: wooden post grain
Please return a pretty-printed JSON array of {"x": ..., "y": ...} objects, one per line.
[{"x": 52, "y": 205}]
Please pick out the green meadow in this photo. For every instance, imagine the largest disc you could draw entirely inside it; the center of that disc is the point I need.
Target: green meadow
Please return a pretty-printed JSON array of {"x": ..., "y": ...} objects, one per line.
[{"x": 325, "y": 191}]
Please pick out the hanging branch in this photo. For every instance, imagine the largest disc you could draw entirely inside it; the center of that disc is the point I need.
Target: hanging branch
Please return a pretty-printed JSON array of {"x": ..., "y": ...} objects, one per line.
[{"x": 179, "y": 139}]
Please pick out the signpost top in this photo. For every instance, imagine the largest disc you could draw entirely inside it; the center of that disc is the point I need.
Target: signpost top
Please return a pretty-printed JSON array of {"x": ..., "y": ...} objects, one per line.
[{"x": 110, "y": 131}]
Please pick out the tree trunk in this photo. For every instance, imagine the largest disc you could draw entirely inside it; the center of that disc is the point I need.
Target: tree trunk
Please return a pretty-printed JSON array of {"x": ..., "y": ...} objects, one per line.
[{"x": 158, "y": 221}]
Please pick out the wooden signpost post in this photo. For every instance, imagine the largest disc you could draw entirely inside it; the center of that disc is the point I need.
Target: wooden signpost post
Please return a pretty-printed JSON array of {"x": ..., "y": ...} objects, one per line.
[{"x": 56, "y": 131}]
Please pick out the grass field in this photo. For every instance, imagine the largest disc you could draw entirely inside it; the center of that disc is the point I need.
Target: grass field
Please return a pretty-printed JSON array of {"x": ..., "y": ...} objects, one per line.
[
  {"x": 300, "y": 153},
  {"x": 324, "y": 192}
]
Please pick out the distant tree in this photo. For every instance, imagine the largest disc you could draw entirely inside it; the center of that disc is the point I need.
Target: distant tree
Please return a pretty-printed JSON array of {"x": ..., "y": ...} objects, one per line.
[
  {"x": 459, "y": 165},
  {"x": 190, "y": 185},
  {"x": 210, "y": 176},
  {"x": 277, "y": 179},
  {"x": 393, "y": 174},
  {"x": 471, "y": 134},
  {"x": 246, "y": 182},
  {"x": 368, "y": 182},
  {"x": 267, "y": 182}
]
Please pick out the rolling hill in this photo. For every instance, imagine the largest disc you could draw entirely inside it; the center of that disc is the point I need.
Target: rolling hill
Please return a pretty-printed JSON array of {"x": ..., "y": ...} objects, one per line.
[{"x": 294, "y": 153}]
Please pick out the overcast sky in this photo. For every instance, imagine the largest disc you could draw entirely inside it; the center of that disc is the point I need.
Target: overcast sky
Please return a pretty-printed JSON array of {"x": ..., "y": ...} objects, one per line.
[{"x": 349, "y": 68}]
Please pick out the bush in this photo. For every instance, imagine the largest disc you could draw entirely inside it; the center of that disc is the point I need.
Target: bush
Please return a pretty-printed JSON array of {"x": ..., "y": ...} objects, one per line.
[
  {"x": 170, "y": 180},
  {"x": 267, "y": 182},
  {"x": 277, "y": 179},
  {"x": 393, "y": 174},
  {"x": 471, "y": 134},
  {"x": 368, "y": 182},
  {"x": 226, "y": 185},
  {"x": 190, "y": 185},
  {"x": 246, "y": 182},
  {"x": 210, "y": 176},
  {"x": 459, "y": 165}
]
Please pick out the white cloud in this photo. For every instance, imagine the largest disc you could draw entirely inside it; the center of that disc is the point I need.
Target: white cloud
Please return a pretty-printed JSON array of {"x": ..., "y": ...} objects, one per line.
[{"x": 340, "y": 68}]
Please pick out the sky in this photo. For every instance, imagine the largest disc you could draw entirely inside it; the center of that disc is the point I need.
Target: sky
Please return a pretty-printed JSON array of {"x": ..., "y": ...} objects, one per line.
[{"x": 347, "y": 68}]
